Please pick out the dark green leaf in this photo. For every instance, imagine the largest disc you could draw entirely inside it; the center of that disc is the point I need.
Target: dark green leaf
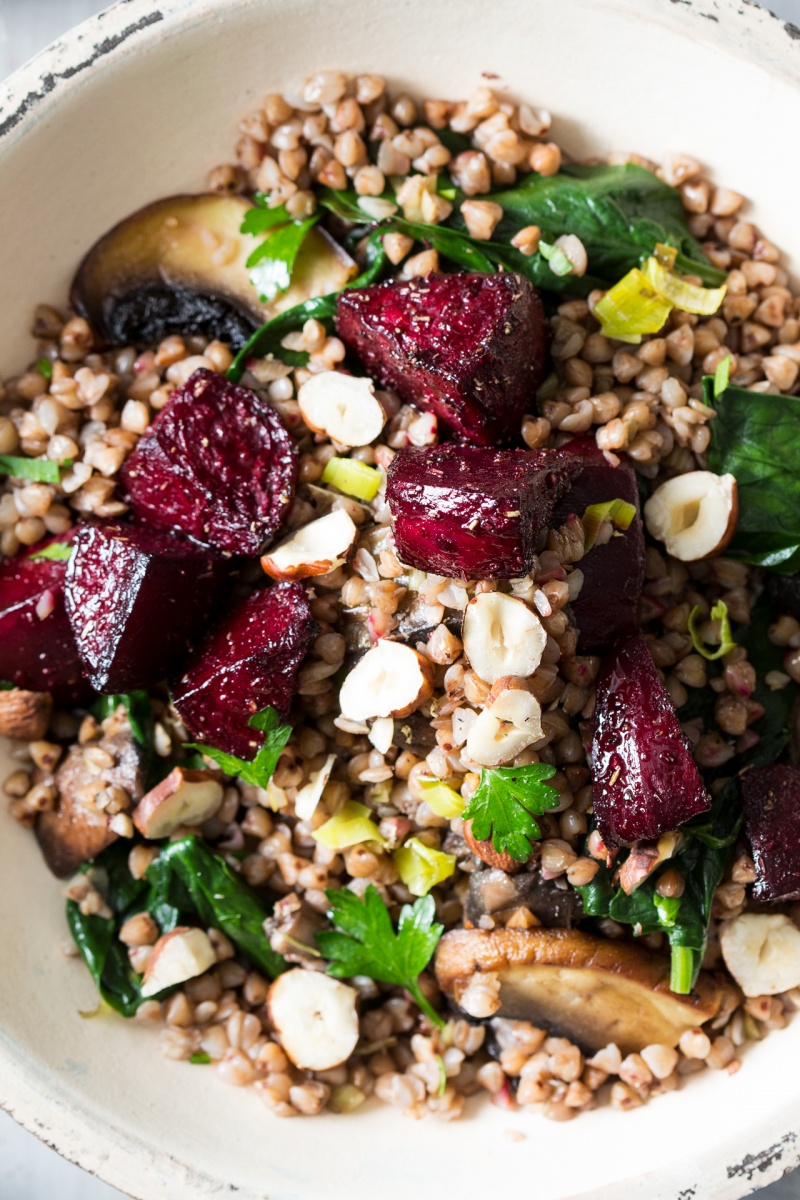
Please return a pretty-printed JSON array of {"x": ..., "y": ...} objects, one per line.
[
  {"x": 58, "y": 551},
  {"x": 262, "y": 219},
  {"x": 756, "y": 438},
  {"x": 271, "y": 264},
  {"x": 218, "y": 897},
  {"x": 267, "y": 339},
  {"x": 502, "y": 805},
  {"x": 45, "y": 368},
  {"x": 106, "y": 958},
  {"x": 258, "y": 771},
  {"x": 96, "y": 937},
  {"x": 41, "y": 470},
  {"x": 365, "y": 943},
  {"x": 618, "y": 212}
]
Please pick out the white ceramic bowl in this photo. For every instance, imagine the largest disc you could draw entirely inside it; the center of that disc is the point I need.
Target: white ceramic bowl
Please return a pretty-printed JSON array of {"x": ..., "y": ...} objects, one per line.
[{"x": 137, "y": 104}]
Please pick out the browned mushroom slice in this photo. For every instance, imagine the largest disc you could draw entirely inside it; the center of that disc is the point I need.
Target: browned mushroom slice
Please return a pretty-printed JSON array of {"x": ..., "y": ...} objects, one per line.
[
  {"x": 78, "y": 829},
  {"x": 179, "y": 266},
  {"x": 589, "y": 989}
]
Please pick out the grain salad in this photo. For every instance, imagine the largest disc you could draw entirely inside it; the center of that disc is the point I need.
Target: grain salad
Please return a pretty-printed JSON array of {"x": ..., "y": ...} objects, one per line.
[{"x": 400, "y": 616}]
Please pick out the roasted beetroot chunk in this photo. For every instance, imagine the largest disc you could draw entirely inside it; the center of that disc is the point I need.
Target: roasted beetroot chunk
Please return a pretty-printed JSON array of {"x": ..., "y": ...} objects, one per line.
[
  {"x": 613, "y": 573},
  {"x": 470, "y": 348},
  {"x": 645, "y": 780},
  {"x": 248, "y": 661},
  {"x": 37, "y": 645},
  {"x": 136, "y": 599},
  {"x": 217, "y": 464},
  {"x": 470, "y": 512},
  {"x": 771, "y": 802}
]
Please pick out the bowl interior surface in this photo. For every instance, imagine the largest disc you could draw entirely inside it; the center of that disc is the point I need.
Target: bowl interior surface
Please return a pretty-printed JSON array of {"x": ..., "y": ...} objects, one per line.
[{"x": 137, "y": 104}]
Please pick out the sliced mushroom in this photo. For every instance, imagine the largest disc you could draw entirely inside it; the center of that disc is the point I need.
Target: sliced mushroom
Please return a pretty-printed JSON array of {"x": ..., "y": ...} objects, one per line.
[
  {"x": 496, "y": 895},
  {"x": 590, "y": 989},
  {"x": 391, "y": 680},
  {"x": 502, "y": 636},
  {"x": 315, "y": 549},
  {"x": 78, "y": 829},
  {"x": 179, "y": 266},
  {"x": 177, "y": 956},
  {"x": 694, "y": 514},
  {"x": 24, "y": 716},
  {"x": 184, "y": 797},
  {"x": 315, "y": 1018}
]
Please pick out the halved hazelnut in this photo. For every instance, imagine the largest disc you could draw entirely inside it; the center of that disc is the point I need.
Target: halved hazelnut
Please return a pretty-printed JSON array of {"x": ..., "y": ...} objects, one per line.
[
  {"x": 505, "y": 729},
  {"x": 315, "y": 549},
  {"x": 694, "y": 515},
  {"x": 315, "y": 1018},
  {"x": 184, "y": 798},
  {"x": 177, "y": 956},
  {"x": 502, "y": 636},
  {"x": 391, "y": 680},
  {"x": 644, "y": 858},
  {"x": 342, "y": 407},
  {"x": 24, "y": 716},
  {"x": 762, "y": 952}
]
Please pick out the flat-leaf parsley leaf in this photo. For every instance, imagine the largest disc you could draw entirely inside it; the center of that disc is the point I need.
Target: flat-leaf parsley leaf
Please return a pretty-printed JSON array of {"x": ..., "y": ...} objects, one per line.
[
  {"x": 365, "y": 943},
  {"x": 259, "y": 771},
  {"x": 503, "y": 803}
]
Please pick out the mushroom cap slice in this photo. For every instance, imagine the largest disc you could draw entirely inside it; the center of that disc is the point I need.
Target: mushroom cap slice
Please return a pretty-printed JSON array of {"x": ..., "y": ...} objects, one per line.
[
  {"x": 590, "y": 989},
  {"x": 179, "y": 266}
]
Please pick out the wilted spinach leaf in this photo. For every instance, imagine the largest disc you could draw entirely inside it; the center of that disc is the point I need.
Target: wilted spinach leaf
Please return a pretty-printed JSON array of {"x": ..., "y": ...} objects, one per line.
[
  {"x": 755, "y": 437},
  {"x": 213, "y": 892}
]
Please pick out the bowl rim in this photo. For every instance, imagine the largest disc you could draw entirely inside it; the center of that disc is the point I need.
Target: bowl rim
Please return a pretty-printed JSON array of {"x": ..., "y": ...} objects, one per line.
[{"x": 106, "y": 1151}]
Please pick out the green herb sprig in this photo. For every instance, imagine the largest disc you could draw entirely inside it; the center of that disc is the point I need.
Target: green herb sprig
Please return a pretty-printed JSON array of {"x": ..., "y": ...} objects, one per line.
[
  {"x": 365, "y": 942},
  {"x": 259, "y": 770},
  {"x": 503, "y": 805}
]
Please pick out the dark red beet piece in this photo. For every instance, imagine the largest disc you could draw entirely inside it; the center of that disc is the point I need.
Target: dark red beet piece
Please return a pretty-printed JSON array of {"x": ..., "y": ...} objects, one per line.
[
  {"x": 644, "y": 778},
  {"x": 248, "y": 661},
  {"x": 137, "y": 598},
  {"x": 470, "y": 348},
  {"x": 613, "y": 574},
  {"x": 37, "y": 646},
  {"x": 217, "y": 464},
  {"x": 771, "y": 802},
  {"x": 471, "y": 512}
]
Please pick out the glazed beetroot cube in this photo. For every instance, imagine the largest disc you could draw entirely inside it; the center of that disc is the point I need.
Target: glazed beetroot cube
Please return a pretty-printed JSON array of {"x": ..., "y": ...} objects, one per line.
[
  {"x": 248, "y": 661},
  {"x": 771, "y": 802},
  {"x": 37, "y": 645},
  {"x": 470, "y": 512},
  {"x": 613, "y": 573},
  {"x": 470, "y": 348},
  {"x": 136, "y": 599},
  {"x": 217, "y": 464},
  {"x": 644, "y": 779}
]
